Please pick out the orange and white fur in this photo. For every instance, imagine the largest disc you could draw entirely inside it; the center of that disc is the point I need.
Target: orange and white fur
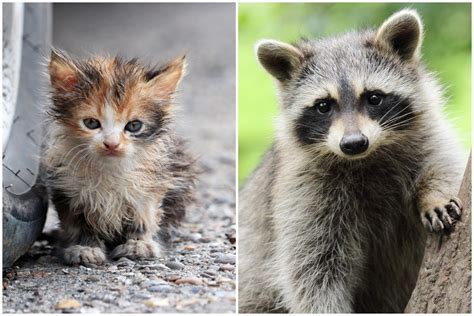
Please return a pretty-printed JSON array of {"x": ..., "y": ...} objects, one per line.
[{"x": 118, "y": 176}]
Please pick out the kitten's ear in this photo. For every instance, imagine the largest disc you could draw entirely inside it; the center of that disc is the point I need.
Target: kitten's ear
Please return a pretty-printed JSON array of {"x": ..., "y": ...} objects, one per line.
[
  {"x": 278, "y": 58},
  {"x": 63, "y": 73},
  {"x": 165, "y": 80},
  {"x": 403, "y": 32}
]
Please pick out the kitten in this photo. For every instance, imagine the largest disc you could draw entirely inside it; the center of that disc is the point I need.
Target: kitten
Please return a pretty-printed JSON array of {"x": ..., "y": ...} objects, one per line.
[{"x": 119, "y": 178}]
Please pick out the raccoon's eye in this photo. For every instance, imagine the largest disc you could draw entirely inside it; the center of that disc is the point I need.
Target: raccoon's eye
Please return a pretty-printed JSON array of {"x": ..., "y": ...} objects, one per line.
[
  {"x": 375, "y": 99},
  {"x": 91, "y": 123},
  {"x": 323, "y": 106},
  {"x": 133, "y": 126}
]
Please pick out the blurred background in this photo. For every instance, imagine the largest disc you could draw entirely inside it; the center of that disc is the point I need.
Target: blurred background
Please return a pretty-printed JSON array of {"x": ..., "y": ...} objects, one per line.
[{"x": 446, "y": 51}]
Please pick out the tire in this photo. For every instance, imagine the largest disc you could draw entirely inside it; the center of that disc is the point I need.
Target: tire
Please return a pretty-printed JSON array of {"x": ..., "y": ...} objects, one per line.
[{"x": 25, "y": 199}]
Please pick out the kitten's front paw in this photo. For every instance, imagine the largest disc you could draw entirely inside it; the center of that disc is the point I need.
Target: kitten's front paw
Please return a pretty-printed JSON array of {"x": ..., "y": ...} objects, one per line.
[
  {"x": 75, "y": 255},
  {"x": 137, "y": 249},
  {"x": 441, "y": 218}
]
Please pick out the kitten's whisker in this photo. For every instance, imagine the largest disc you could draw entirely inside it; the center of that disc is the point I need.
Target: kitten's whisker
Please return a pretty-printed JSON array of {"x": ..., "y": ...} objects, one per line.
[
  {"x": 70, "y": 151},
  {"x": 77, "y": 155}
]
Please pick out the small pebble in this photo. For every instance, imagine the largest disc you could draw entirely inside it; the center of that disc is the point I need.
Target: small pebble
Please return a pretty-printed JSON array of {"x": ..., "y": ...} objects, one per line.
[
  {"x": 195, "y": 289},
  {"x": 193, "y": 237},
  {"x": 125, "y": 262},
  {"x": 194, "y": 281},
  {"x": 67, "y": 304},
  {"x": 205, "y": 239},
  {"x": 153, "y": 302},
  {"x": 225, "y": 259},
  {"x": 156, "y": 282},
  {"x": 160, "y": 267},
  {"x": 92, "y": 278},
  {"x": 108, "y": 298},
  {"x": 227, "y": 267},
  {"x": 186, "y": 302},
  {"x": 141, "y": 296},
  {"x": 162, "y": 288},
  {"x": 175, "y": 265},
  {"x": 173, "y": 277}
]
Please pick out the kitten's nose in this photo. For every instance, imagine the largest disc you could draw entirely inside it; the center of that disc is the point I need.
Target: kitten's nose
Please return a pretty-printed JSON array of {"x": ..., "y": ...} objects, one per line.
[{"x": 111, "y": 145}]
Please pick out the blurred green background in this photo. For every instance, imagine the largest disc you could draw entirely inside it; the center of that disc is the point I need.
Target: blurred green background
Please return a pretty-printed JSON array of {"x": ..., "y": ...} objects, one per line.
[{"x": 446, "y": 51}]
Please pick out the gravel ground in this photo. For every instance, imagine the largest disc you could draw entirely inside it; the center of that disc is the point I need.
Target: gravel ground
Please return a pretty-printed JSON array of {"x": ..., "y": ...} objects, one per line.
[{"x": 198, "y": 275}]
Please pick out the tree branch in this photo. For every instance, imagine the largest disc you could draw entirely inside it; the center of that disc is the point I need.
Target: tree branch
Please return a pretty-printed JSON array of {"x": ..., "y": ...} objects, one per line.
[{"x": 444, "y": 281}]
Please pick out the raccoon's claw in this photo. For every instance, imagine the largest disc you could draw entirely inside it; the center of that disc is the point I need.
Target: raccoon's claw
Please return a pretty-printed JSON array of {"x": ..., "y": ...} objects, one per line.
[
  {"x": 441, "y": 219},
  {"x": 454, "y": 208}
]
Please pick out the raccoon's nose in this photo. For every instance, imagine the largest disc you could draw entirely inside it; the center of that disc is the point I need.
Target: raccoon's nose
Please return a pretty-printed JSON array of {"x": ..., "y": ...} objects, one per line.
[{"x": 354, "y": 144}]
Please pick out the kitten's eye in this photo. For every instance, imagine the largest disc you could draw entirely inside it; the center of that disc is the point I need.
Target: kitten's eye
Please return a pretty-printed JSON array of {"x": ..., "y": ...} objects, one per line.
[
  {"x": 133, "y": 126},
  {"x": 375, "y": 99},
  {"x": 323, "y": 106},
  {"x": 91, "y": 123}
]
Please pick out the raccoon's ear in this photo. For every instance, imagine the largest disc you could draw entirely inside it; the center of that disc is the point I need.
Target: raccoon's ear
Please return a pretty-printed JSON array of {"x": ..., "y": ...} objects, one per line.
[
  {"x": 403, "y": 32},
  {"x": 62, "y": 71},
  {"x": 278, "y": 58},
  {"x": 164, "y": 81}
]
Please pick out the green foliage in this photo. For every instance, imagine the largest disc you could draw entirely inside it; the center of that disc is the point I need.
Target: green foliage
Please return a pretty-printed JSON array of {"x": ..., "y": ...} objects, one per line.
[{"x": 446, "y": 50}]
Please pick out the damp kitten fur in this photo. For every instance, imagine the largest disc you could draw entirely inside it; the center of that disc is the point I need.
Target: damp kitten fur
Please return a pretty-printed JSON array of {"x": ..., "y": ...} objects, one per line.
[
  {"x": 119, "y": 178},
  {"x": 364, "y": 162}
]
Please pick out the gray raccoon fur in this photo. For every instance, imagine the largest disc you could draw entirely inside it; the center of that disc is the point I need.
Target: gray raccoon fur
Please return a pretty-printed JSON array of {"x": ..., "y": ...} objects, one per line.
[{"x": 321, "y": 231}]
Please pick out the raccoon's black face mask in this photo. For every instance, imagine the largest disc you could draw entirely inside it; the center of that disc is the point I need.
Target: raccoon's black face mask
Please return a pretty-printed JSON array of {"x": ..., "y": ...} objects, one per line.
[
  {"x": 353, "y": 123},
  {"x": 352, "y": 94}
]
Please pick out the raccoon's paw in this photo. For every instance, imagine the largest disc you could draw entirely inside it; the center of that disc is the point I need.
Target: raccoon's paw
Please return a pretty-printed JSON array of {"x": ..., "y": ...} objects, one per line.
[
  {"x": 137, "y": 249},
  {"x": 442, "y": 218},
  {"x": 75, "y": 255}
]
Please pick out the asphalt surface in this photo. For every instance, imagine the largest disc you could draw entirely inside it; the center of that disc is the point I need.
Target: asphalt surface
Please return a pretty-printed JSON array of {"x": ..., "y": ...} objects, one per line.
[{"x": 199, "y": 274}]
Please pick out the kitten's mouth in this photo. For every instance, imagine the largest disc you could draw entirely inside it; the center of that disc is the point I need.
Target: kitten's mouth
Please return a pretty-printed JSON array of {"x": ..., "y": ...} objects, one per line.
[{"x": 112, "y": 153}]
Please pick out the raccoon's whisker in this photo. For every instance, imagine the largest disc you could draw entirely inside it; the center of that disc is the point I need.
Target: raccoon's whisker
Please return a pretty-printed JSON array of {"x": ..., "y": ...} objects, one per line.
[
  {"x": 394, "y": 117},
  {"x": 316, "y": 140},
  {"x": 399, "y": 124},
  {"x": 319, "y": 154},
  {"x": 395, "y": 139},
  {"x": 312, "y": 127},
  {"x": 394, "y": 106},
  {"x": 389, "y": 123}
]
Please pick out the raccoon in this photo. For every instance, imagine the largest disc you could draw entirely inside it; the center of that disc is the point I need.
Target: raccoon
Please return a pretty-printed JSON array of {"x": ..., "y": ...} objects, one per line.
[{"x": 363, "y": 165}]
